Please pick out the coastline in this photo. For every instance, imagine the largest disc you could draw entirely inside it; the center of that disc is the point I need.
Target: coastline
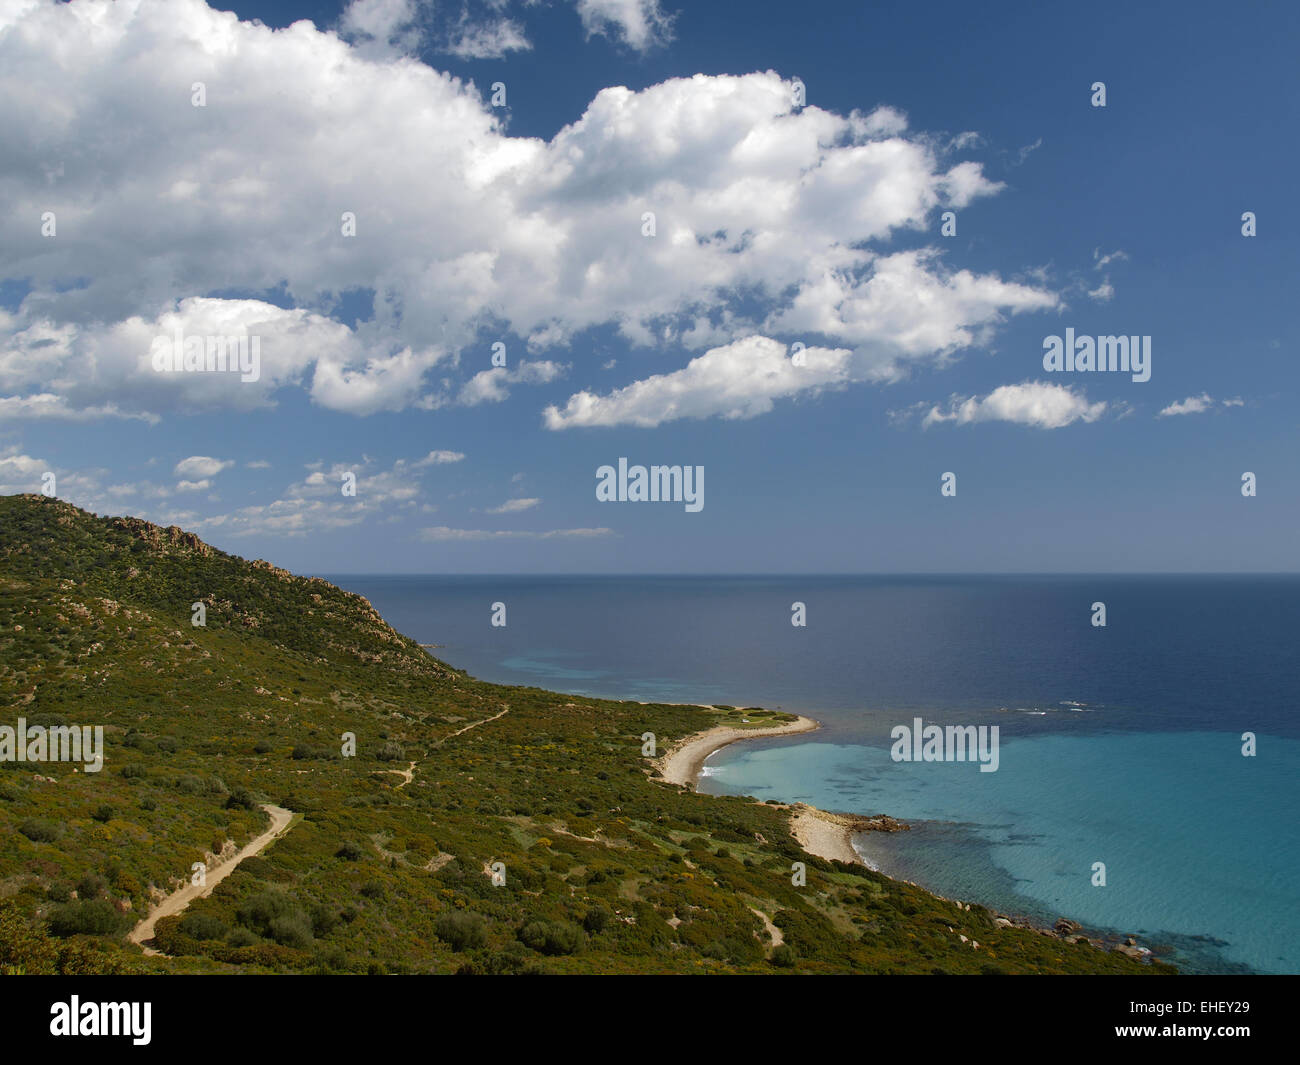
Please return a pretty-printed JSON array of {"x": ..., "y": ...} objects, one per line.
[
  {"x": 830, "y": 835},
  {"x": 819, "y": 832},
  {"x": 684, "y": 760}
]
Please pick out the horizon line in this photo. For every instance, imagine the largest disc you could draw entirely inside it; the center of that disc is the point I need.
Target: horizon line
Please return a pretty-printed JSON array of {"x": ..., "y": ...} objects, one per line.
[{"x": 829, "y": 573}]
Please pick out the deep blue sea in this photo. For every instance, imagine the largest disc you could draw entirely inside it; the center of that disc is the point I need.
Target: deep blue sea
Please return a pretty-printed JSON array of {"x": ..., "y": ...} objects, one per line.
[{"x": 1120, "y": 745}]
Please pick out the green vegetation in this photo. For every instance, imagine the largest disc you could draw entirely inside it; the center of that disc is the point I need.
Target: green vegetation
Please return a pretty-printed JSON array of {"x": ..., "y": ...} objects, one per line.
[{"x": 606, "y": 870}]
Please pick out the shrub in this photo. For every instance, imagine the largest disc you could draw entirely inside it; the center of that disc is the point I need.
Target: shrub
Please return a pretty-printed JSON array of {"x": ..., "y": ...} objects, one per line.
[
  {"x": 91, "y": 886},
  {"x": 390, "y": 752},
  {"x": 240, "y": 798},
  {"x": 596, "y": 919},
  {"x": 552, "y": 937},
  {"x": 291, "y": 930},
  {"x": 350, "y": 851},
  {"x": 94, "y": 918},
  {"x": 203, "y": 926},
  {"x": 461, "y": 930},
  {"x": 39, "y": 830},
  {"x": 784, "y": 956},
  {"x": 259, "y": 911},
  {"x": 103, "y": 813}
]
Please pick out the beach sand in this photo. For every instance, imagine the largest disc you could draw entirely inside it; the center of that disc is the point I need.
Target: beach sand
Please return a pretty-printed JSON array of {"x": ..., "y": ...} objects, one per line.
[
  {"x": 685, "y": 759},
  {"x": 826, "y": 835},
  {"x": 823, "y": 834}
]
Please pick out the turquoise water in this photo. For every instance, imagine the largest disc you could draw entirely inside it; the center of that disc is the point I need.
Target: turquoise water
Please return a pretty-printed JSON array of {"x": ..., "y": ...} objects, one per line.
[
  {"x": 1199, "y": 842},
  {"x": 1118, "y": 744}
]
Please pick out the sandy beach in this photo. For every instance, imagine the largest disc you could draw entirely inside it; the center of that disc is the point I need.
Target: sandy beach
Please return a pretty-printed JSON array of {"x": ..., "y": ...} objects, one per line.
[
  {"x": 826, "y": 835},
  {"x": 823, "y": 834},
  {"x": 685, "y": 759}
]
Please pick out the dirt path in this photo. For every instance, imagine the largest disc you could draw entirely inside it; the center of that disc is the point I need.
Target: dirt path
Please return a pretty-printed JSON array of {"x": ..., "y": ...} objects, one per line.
[
  {"x": 407, "y": 774},
  {"x": 778, "y": 937},
  {"x": 182, "y": 897},
  {"x": 475, "y": 724}
]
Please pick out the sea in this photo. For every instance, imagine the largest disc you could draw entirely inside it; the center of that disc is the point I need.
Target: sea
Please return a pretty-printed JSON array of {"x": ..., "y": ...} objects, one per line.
[{"x": 1148, "y": 778}]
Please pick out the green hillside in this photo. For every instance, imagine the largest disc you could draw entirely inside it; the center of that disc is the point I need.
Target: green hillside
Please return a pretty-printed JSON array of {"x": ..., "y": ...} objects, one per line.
[{"x": 606, "y": 870}]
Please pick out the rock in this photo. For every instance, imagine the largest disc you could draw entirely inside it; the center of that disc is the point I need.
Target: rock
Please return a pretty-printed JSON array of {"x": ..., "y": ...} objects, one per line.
[
  {"x": 880, "y": 823},
  {"x": 1002, "y": 922},
  {"x": 1066, "y": 927}
]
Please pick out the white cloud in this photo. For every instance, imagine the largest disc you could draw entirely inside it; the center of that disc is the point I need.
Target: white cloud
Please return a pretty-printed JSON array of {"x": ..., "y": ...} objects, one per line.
[
  {"x": 438, "y": 458},
  {"x": 193, "y": 486},
  {"x": 513, "y": 506},
  {"x": 741, "y": 380},
  {"x": 378, "y": 26},
  {"x": 48, "y": 406},
  {"x": 1190, "y": 405},
  {"x": 284, "y": 517},
  {"x": 491, "y": 39},
  {"x": 20, "y": 473},
  {"x": 85, "y": 487},
  {"x": 1197, "y": 405},
  {"x": 757, "y": 204},
  {"x": 492, "y": 386},
  {"x": 201, "y": 466},
  {"x": 444, "y": 534},
  {"x": 640, "y": 24},
  {"x": 1032, "y": 403}
]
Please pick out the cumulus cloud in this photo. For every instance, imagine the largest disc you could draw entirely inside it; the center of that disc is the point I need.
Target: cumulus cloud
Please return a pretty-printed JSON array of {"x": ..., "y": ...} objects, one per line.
[
  {"x": 378, "y": 26},
  {"x": 48, "y": 406},
  {"x": 316, "y": 502},
  {"x": 201, "y": 466},
  {"x": 492, "y": 386},
  {"x": 283, "y": 517},
  {"x": 86, "y": 487},
  {"x": 740, "y": 380},
  {"x": 764, "y": 213},
  {"x": 640, "y": 24},
  {"x": 1197, "y": 405},
  {"x": 1033, "y": 403}
]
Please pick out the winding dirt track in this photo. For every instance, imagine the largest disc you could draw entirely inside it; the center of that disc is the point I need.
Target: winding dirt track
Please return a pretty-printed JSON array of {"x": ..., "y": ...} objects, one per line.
[
  {"x": 476, "y": 724},
  {"x": 182, "y": 897},
  {"x": 179, "y": 899}
]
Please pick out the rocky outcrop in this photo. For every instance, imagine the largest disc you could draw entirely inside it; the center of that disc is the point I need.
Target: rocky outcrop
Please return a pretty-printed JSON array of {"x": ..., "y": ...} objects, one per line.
[{"x": 158, "y": 537}]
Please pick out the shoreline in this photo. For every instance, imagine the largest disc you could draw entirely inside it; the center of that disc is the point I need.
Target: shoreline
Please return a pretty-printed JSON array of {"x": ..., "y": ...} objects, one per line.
[
  {"x": 685, "y": 759},
  {"x": 821, "y": 833},
  {"x": 829, "y": 836}
]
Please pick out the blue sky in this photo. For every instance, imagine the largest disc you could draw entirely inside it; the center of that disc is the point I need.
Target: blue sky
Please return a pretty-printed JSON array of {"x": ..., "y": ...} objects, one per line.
[{"x": 776, "y": 222}]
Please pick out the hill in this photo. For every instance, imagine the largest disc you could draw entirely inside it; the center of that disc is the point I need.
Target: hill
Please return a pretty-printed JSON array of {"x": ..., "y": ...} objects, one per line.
[{"x": 388, "y": 864}]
